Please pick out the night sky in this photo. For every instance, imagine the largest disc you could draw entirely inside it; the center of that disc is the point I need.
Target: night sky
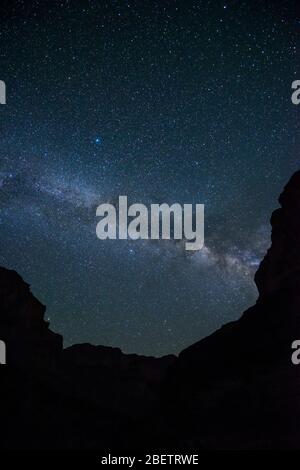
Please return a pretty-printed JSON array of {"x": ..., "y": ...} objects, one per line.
[{"x": 163, "y": 101}]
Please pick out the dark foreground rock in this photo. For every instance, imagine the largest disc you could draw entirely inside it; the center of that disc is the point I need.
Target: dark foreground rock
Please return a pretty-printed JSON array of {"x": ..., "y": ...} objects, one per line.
[{"x": 236, "y": 389}]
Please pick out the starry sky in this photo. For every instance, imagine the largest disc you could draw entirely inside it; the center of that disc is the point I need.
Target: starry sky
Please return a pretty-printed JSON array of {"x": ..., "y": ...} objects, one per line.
[{"x": 163, "y": 101}]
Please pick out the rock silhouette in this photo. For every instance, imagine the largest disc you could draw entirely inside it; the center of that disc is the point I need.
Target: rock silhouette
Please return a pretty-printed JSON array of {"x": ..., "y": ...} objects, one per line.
[{"x": 236, "y": 389}]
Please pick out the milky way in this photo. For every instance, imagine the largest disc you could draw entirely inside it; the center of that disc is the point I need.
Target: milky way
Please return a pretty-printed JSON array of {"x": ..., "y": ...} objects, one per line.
[{"x": 185, "y": 102}]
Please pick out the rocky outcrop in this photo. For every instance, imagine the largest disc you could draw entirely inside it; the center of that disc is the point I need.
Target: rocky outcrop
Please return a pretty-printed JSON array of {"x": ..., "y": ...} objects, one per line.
[
  {"x": 238, "y": 387},
  {"x": 22, "y": 326},
  {"x": 82, "y": 396},
  {"x": 281, "y": 266}
]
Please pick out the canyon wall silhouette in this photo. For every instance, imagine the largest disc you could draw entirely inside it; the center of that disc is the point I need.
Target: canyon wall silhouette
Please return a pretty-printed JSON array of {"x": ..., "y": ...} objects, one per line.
[{"x": 236, "y": 389}]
